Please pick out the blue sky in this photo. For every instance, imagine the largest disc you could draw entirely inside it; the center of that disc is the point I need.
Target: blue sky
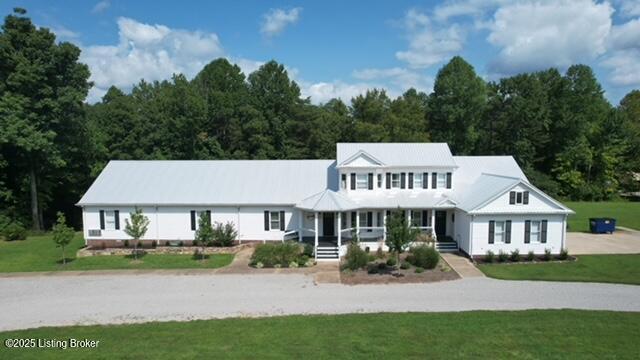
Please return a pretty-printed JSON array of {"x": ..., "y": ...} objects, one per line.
[{"x": 342, "y": 48}]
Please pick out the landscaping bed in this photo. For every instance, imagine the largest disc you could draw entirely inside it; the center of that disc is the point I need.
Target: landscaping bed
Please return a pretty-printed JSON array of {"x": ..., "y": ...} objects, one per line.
[
  {"x": 421, "y": 264},
  {"x": 514, "y": 257},
  {"x": 168, "y": 250},
  {"x": 288, "y": 254}
]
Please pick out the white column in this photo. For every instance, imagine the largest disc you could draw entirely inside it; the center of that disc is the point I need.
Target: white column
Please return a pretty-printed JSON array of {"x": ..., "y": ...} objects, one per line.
[
  {"x": 358, "y": 224},
  {"x": 300, "y": 219},
  {"x": 384, "y": 224},
  {"x": 315, "y": 221},
  {"x": 339, "y": 231},
  {"x": 433, "y": 224},
  {"x": 408, "y": 216}
]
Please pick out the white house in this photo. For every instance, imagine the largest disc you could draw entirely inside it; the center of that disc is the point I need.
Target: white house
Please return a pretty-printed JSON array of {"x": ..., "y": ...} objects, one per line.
[{"x": 468, "y": 203}]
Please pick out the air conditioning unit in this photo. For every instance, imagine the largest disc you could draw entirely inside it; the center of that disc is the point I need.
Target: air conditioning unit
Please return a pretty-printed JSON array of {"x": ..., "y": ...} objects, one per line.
[{"x": 95, "y": 232}]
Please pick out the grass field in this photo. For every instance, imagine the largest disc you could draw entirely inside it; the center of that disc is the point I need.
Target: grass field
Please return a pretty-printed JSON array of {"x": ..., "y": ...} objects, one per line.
[
  {"x": 38, "y": 253},
  {"x": 624, "y": 269},
  {"x": 535, "y": 334},
  {"x": 626, "y": 213}
]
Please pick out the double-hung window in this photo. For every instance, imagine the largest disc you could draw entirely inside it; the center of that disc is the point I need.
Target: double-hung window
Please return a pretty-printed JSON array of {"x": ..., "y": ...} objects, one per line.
[
  {"x": 379, "y": 181},
  {"x": 535, "y": 231},
  {"x": 109, "y": 220},
  {"x": 395, "y": 181},
  {"x": 274, "y": 220},
  {"x": 416, "y": 217},
  {"x": 417, "y": 181},
  {"x": 499, "y": 232},
  {"x": 343, "y": 181},
  {"x": 442, "y": 180},
  {"x": 362, "y": 181}
]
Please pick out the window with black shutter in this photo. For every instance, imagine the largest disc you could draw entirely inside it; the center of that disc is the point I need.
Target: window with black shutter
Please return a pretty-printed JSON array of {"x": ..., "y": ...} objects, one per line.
[
  {"x": 512, "y": 197},
  {"x": 379, "y": 181},
  {"x": 369, "y": 220},
  {"x": 281, "y": 220},
  {"x": 266, "y": 220},
  {"x": 370, "y": 181},
  {"x": 543, "y": 234},
  {"x": 410, "y": 180},
  {"x": 388, "y": 180},
  {"x": 492, "y": 229},
  {"x": 449, "y": 180},
  {"x": 518, "y": 198},
  {"x": 116, "y": 216},
  {"x": 507, "y": 232},
  {"x": 434, "y": 180},
  {"x": 353, "y": 219},
  {"x": 193, "y": 219},
  {"x": 425, "y": 180},
  {"x": 101, "y": 219},
  {"x": 403, "y": 180},
  {"x": 209, "y": 216},
  {"x": 527, "y": 231},
  {"x": 353, "y": 181},
  {"x": 425, "y": 218},
  {"x": 525, "y": 197}
]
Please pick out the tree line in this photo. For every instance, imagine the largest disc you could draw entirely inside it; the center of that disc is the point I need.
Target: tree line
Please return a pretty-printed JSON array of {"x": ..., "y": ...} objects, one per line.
[{"x": 561, "y": 129}]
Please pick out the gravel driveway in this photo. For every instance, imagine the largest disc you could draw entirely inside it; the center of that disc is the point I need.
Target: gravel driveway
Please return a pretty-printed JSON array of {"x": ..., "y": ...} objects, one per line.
[
  {"x": 622, "y": 241},
  {"x": 28, "y": 302}
]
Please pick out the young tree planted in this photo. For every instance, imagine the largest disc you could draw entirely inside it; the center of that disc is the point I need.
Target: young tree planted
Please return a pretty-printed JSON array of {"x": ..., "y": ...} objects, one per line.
[
  {"x": 62, "y": 235},
  {"x": 400, "y": 233},
  {"x": 136, "y": 228},
  {"x": 204, "y": 233}
]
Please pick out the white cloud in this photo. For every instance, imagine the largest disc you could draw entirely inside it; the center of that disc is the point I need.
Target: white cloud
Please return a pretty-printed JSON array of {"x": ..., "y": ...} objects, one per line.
[
  {"x": 64, "y": 33},
  {"x": 624, "y": 66},
  {"x": 456, "y": 8},
  {"x": 150, "y": 52},
  {"x": 629, "y": 8},
  {"x": 101, "y": 6},
  {"x": 535, "y": 35},
  {"x": 429, "y": 45},
  {"x": 322, "y": 92},
  {"x": 276, "y": 20},
  {"x": 399, "y": 78},
  {"x": 625, "y": 36}
]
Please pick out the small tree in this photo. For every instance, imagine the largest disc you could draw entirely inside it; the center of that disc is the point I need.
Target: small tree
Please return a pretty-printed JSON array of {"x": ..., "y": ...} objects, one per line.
[
  {"x": 204, "y": 234},
  {"x": 62, "y": 235},
  {"x": 224, "y": 234},
  {"x": 136, "y": 228},
  {"x": 400, "y": 233}
]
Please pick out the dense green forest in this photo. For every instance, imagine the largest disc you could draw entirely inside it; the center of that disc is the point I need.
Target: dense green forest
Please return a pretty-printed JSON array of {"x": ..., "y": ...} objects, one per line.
[{"x": 561, "y": 129}]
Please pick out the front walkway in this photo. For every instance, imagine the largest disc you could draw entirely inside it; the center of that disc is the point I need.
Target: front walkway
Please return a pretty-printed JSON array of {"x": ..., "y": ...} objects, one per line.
[
  {"x": 622, "y": 241},
  {"x": 462, "y": 265},
  {"x": 29, "y": 302}
]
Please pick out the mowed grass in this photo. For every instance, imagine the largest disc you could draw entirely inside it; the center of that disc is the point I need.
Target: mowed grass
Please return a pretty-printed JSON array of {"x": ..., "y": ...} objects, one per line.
[
  {"x": 626, "y": 214},
  {"x": 623, "y": 269},
  {"x": 536, "y": 334},
  {"x": 39, "y": 253}
]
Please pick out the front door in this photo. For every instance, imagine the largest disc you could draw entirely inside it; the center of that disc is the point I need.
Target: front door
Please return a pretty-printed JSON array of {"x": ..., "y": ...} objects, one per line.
[
  {"x": 327, "y": 224},
  {"x": 441, "y": 224}
]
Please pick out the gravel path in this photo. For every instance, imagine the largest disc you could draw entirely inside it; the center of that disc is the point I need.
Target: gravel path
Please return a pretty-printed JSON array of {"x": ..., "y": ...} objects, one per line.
[{"x": 28, "y": 302}]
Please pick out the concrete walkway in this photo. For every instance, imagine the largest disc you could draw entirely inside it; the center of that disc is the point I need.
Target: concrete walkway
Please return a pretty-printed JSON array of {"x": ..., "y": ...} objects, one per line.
[
  {"x": 622, "y": 241},
  {"x": 28, "y": 302},
  {"x": 462, "y": 265}
]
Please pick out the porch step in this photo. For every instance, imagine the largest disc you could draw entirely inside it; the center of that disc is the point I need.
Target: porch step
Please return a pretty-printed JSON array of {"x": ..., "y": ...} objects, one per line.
[
  {"x": 447, "y": 246},
  {"x": 327, "y": 252}
]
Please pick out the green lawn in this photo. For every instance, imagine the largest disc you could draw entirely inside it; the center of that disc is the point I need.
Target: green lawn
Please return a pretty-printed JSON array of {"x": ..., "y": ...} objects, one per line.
[
  {"x": 624, "y": 269},
  {"x": 533, "y": 334},
  {"x": 38, "y": 253},
  {"x": 626, "y": 213}
]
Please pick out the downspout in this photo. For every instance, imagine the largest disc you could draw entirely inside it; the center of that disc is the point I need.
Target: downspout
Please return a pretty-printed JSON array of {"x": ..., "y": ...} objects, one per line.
[
  {"x": 564, "y": 232},
  {"x": 239, "y": 232},
  {"x": 471, "y": 236}
]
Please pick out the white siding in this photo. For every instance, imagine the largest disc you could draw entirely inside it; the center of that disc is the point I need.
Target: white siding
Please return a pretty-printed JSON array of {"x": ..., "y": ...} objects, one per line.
[
  {"x": 461, "y": 230},
  {"x": 537, "y": 203},
  {"x": 480, "y": 234}
]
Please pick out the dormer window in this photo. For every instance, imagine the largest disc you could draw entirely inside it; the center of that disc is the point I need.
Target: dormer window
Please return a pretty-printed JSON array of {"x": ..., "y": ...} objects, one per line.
[
  {"x": 395, "y": 181},
  {"x": 362, "y": 182},
  {"x": 343, "y": 181},
  {"x": 518, "y": 197},
  {"x": 442, "y": 180},
  {"x": 417, "y": 181}
]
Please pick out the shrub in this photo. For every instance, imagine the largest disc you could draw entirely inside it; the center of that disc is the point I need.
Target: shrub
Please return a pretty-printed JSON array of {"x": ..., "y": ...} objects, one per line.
[
  {"x": 502, "y": 256},
  {"x": 14, "y": 231},
  {"x": 302, "y": 260},
  {"x": 259, "y": 265},
  {"x": 405, "y": 265},
  {"x": 424, "y": 256},
  {"x": 195, "y": 242},
  {"x": 181, "y": 243},
  {"x": 310, "y": 263},
  {"x": 126, "y": 243},
  {"x": 515, "y": 255},
  {"x": 372, "y": 268},
  {"x": 382, "y": 266},
  {"x": 547, "y": 255},
  {"x": 356, "y": 258},
  {"x": 272, "y": 254},
  {"x": 277, "y": 266},
  {"x": 380, "y": 253},
  {"x": 391, "y": 262},
  {"x": 564, "y": 254},
  {"x": 293, "y": 264},
  {"x": 371, "y": 257},
  {"x": 154, "y": 244},
  {"x": 489, "y": 256},
  {"x": 531, "y": 256},
  {"x": 224, "y": 234},
  {"x": 307, "y": 250},
  {"x": 419, "y": 270}
]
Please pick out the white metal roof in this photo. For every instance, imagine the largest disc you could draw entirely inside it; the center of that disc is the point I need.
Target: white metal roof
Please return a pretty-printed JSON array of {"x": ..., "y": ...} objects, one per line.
[
  {"x": 399, "y": 154},
  {"x": 470, "y": 168},
  {"x": 210, "y": 182},
  {"x": 402, "y": 199},
  {"x": 327, "y": 200}
]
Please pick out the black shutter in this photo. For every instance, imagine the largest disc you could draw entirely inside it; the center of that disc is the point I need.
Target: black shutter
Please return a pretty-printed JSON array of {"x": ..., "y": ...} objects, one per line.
[
  {"x": 209, "y": 216},
  {"x": 388, "y": 213},
  {"x": 266, "y": 220},
  {"x": 492, "y": 230},
  {"x": 425, "y": 217},
  {"x": 448, "y": 180},
  {"x": 425, "y": 180},
  {"x": 116, "y": 214},
  {"x": 543, "y": 234},
  {"x": 434, "y": 180},
  {"x": 282, "y": 220},
  {"x": 369, "y": 220},
  {"x": 403, "y": 180},
  {"x": 344, "y": 181},
  {"x": 370, "y": 181},
  {"x": 353, "y": 219},
  {"x": 388, "y": 180},
  {"x": 518, "y": 198},
  {"x": 512, "y": 197},
  {"x": 353, "y": 181},
  {"x": 102, "y": 219},
  {"x": 507, "y": 232},
  {"x": 410, "y": 180},
  {"x": 193, "y": 219},
  {"x": 525, "y": 198},
  {"x": 527, "y": 231}
]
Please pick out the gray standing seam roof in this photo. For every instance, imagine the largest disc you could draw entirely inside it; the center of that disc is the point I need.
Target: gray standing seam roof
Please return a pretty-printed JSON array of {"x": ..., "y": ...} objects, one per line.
[{"x": 399, "y": 154}]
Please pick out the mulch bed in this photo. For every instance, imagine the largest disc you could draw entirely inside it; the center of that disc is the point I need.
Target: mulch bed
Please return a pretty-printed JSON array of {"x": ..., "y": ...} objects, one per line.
[
  {"x": 399, "y": 276},
  {"x": 536, "y": 261}
]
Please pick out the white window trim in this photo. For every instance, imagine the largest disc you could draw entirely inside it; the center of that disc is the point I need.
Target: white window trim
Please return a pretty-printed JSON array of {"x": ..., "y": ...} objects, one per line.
[
  {"x": 109, "y": 220},
  {"x": 343, "y": 181},
  {"x": 379, "y": 181},
  {"x": 502, "y": 233},
  {"x": 395, "y": 182},
  {"x": 441, "y": 180},
  {"x": 534, "y": 237},
  {"x": 271, "y": 220},
  {"x": 362, "y": 181},
  {"x": 417, "y": 181}
]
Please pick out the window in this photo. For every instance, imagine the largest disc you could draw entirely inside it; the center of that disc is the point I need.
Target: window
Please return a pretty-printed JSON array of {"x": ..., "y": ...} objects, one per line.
[
  {"x": 535, "y": 231},
  {"x": 417, "y": 181},
  {"x": 519, "y": 197},
  {"x": 442, "y": 180},
  {"x": 109, "y": 220},
  {"x": 343, "y": 221},
  {"x": 379, "y": 218},
  {"x": 499, "y": 232},
  {"x": 362, "y": 181},
  {"x": 379, "y": 181},
  {"x": 343, "y": 182},
  {"x": 416, "y": 217},
  {"x": 274, "y": 220},
  {"x": 363, "y": 219},
  {"x": 395, "y": 180}
]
